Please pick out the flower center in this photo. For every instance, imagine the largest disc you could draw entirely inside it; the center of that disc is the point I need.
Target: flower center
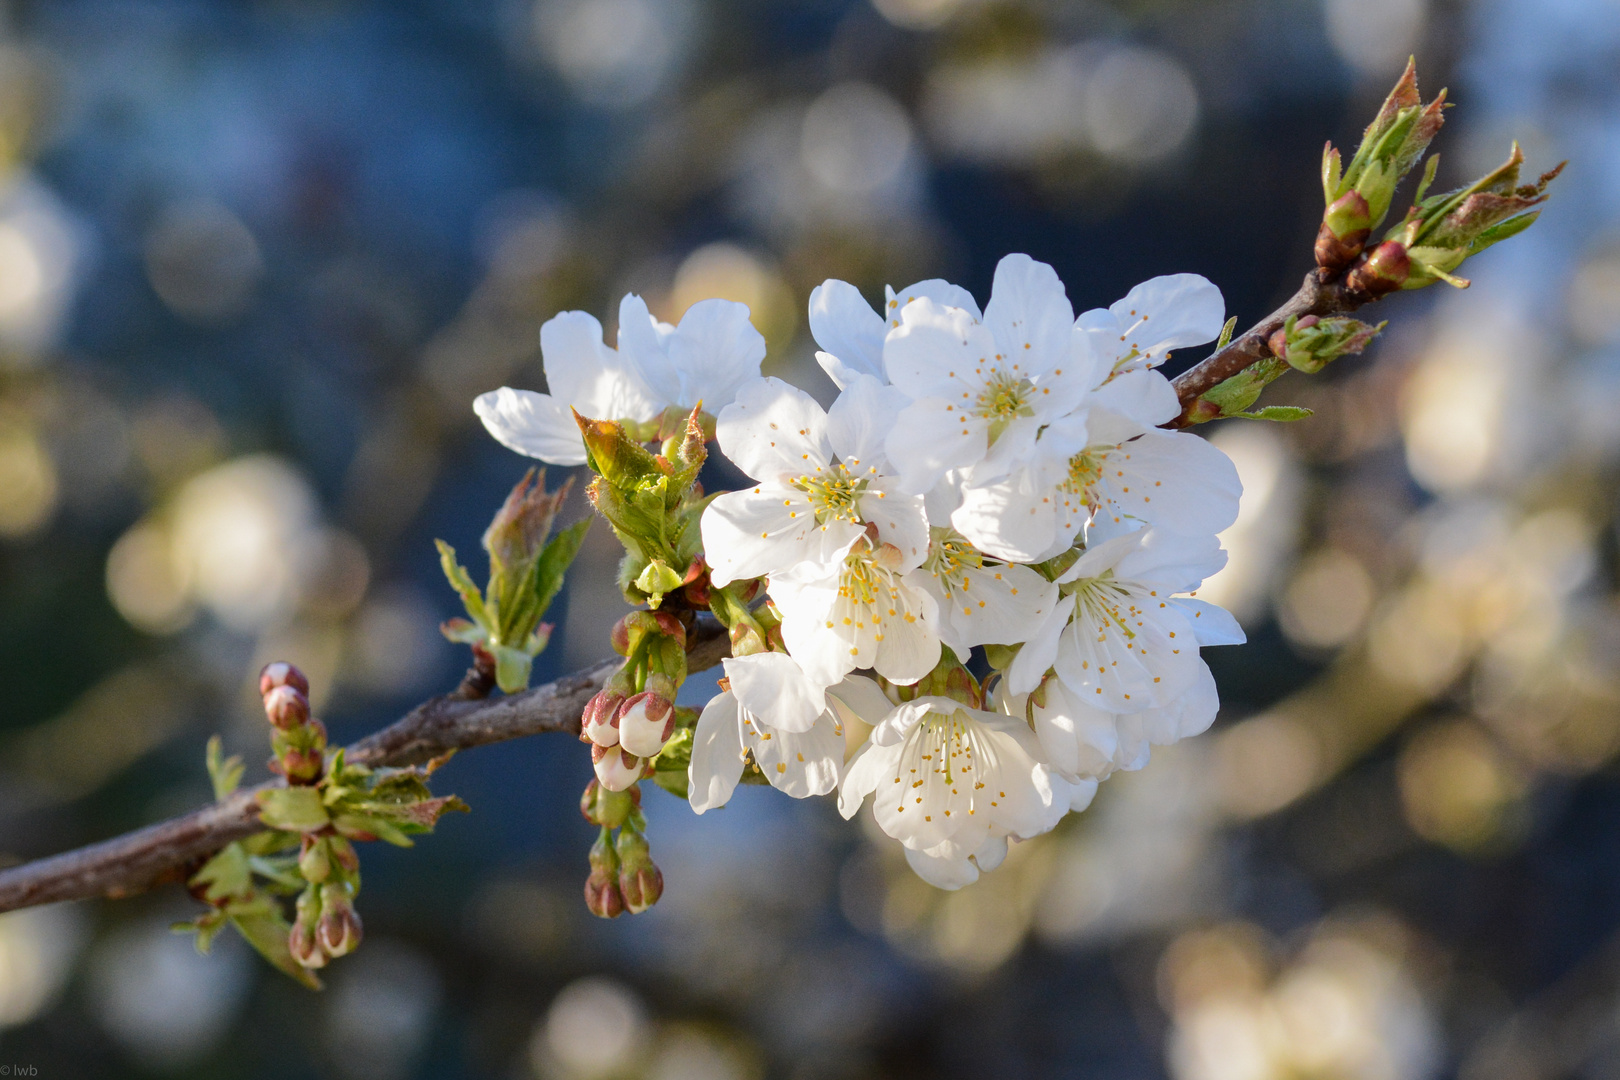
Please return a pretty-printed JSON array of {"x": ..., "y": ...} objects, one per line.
[
  {"x": 1085, "y": 470},
  {"x": 1004, "y": 397},
  {"x": 949, "y": 557},
  {"x": 833, "y": 493},
  {"x": 1102, "y": 602}
]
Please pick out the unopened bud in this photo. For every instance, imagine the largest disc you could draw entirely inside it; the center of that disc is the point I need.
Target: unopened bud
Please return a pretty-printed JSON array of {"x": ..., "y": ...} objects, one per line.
[
  {"x": 645, "y": 722},
  {"x": 315, "y": 860},
  {"x": 607, "y": 808},
  {"x": 616, "y": 767},
  {"x": 342, "y": 853},
  {"x": 1346, "y": 224},
  {"x": 599, "y": 723},
  {"x": 286, "y": 707},
  {"x": 602, "y": 894},
  {"x": 282, "y": 673},
  {"x": 339, "y": 929},
  {"x": 299, "y": 766},
  {"x": 1382, "y": 270},
  {"x": 301, "y": 940},
  {"x": 641, "y": 883},
  {"x": 305, "y": 949}
]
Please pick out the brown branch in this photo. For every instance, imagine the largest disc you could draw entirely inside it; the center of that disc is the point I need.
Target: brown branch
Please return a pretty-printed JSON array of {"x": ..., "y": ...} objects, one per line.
[
  {"x": 1315, "y": 297},
  {"x": 170, "y": 851}
]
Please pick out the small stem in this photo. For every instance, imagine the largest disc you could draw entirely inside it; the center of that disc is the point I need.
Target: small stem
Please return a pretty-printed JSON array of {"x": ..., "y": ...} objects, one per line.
[
  {"x": 1315, "y": 297},
  {"x": 171, "y": 850}
]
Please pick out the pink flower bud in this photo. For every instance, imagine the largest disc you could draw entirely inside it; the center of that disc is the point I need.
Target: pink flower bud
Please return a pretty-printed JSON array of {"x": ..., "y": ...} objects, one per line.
[
  {"x": 616, "y": 769},
  {"x": 286, "y": 706},
  {"x": 338, "y": 931},
  {"x": 304, "y": 947},
  {"x": 602, "y": 895},
  {"x": 646, "y": 721},
  {"x": 600, "y": 721},
  {"x": 282, "y": 673}
]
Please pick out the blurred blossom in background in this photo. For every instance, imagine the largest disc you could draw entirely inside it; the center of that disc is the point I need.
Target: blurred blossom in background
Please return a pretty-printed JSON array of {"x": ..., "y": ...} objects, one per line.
[{"x": 256, "y": 260}]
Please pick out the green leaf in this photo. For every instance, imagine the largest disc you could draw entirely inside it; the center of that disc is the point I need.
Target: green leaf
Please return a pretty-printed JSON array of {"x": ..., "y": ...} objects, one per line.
[
  {"x": 225, "y": 773},
  {"x": 296, "y": 809},
  {"x": 462, "y": 582},
  {"x": 227, "y": 874},
  {"x": 1282, "y": 414},
  {"x": 358, "y": 826},
  {"x": 1226, "y": 333},
  {"x": 674, "y": 781},
  {"x": 676, "y": 754},
  {"x": 262, "y": 925}
]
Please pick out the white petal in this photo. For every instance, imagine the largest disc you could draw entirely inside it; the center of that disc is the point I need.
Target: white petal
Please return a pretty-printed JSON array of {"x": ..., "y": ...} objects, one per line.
[
  {"x": 799, "y": 764},
  {"x": 941, "y": 873},
  {"x": 805, "y": 605},
  {"x": 861, "y": 776},
  {"x": 1211, "y": 625},
  {"x": 909, "y": 647},
  {"x": 643, "y": 348},
  {"x": 765, "y": 529},
  {"x": 537, "y": 425},
  {"x": 862, "y": 697},
  {"x": 1013, "y": 519},
  {"x": 899, "y": 520},
  {"x": 1169, "y": 312},
  {"x": 715, "y": 350},
  {"x": 717, "y": 754},
  {"x": 1144, "y": 395},
  {"x": 775, "y": 689},
  {"x": 1079, "y": 740},
  {"x": 938, "y": 352},
  {"x": 583, "y": 372},
  {"x": 1029, "y": 316},
  {"x": 773, "y": 431},
  {"x": 839, "y": 372},
  {"x": 938, "y": 290},
  {"x": 1178, "y": 562},
  {"x": 1174, "y": 480},
  {"x": 930, "y": 438},
  {"x": 844, "y": 324},
  {"x": 1035, "y": 659},
  {"x": 999, "y": 605},
  {"x": 860, "y": 421},
  {"x": 991, "y": 854}
]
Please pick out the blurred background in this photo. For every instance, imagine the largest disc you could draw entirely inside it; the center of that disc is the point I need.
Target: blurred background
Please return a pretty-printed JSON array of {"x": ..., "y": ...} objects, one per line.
[{"x": 257, "y": 257}]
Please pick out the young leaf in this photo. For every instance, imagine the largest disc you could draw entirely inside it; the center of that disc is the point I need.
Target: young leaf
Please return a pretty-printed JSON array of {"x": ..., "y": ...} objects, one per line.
[
  {"x": 1280, "y": 413},
  {"x": 225, "y": 773},
  {"x": 296, "y": 809}
]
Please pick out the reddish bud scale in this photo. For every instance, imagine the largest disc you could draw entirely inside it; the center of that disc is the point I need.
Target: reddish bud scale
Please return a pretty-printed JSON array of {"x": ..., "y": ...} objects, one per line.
[
  {"x": 286, "y": 707},
  {"x": 602, "y": 896},
  {"x": 1382, "y": 270},
  {"x": 281, "y": 673},
  {"x": 599, "y": 723}
]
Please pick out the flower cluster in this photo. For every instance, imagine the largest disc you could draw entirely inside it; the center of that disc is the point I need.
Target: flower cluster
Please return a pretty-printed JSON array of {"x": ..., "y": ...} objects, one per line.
[{"x": 992, "y": 480}]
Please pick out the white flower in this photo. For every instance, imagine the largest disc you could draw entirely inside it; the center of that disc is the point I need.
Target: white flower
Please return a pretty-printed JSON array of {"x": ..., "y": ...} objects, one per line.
[
  {"x": 1080, "y": 741},
  {"x": 616, "y": 767},
  {"x": 1120, "y": 637},
  {"x": 947, "y": 873},
  {"x": 1159, "y": 315},
  {"x": 980, "y": 602},
  {"x": 772, "y": 710},
  {"x": 713, "y": 351},
  {"x": 1101, "y": 462},
  {"x": 976, "y": 384},
  {"x": 861, "y": 611},
  {"x": 851, "y": 334},
  {"x": 806, "y": 508},
  {"x": 946, "y": 778}
]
